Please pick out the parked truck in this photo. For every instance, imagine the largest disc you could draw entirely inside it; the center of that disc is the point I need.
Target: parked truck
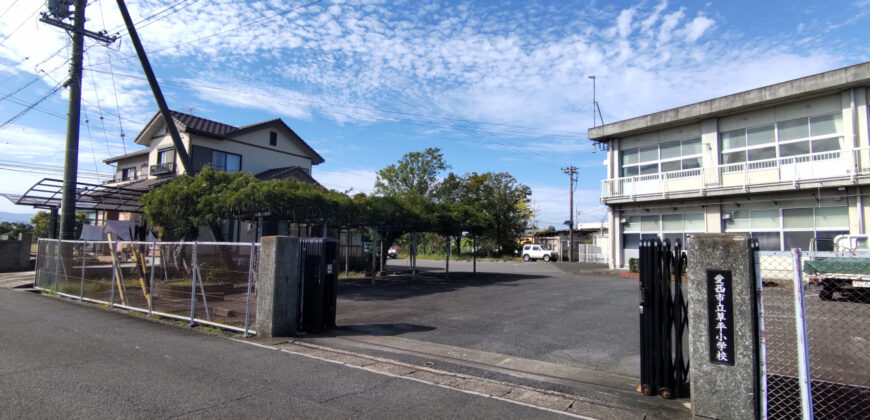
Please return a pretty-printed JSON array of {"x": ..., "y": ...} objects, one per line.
[{"x": 842, "y": 274}]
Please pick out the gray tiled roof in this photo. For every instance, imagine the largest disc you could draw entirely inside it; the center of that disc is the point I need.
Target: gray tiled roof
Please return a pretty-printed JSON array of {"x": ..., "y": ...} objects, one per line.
[
  {"x": 275, "y": 173},
  {"x": 202, "y": 126},
  {"x": 128, "y": 155}
]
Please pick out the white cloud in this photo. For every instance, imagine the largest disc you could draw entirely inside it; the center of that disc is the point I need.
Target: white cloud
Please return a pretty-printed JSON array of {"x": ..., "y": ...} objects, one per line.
[
  {"x": 697, "y": 27},
  {"x": 356, "y": 180},
  {"x": 623, "y": 22}
]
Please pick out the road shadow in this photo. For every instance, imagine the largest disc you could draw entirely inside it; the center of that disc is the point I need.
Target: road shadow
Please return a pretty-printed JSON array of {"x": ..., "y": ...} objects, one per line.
[{"x": 406, "y": 286}]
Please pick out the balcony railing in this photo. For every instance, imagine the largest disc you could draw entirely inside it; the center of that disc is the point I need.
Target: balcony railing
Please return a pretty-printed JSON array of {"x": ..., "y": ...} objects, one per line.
[
  {"x": 165, "y": 168},
  {"x": 122, "y": 179},
  {"x": 844, "y": 164}
]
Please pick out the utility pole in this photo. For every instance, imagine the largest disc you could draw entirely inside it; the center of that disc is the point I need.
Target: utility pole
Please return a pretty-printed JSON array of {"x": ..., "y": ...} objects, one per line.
[
  {"x": 58, "y": 11},
  {"x": 571, "y": 171}
]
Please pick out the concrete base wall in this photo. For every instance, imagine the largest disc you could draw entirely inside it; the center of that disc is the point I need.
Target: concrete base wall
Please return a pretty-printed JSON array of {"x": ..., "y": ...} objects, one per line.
[{"x": 15, "y": 255}]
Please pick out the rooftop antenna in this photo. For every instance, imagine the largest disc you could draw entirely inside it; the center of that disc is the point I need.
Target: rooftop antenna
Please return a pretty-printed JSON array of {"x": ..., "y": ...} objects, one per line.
[
  {"x": 599, "y": 146},
  {"x": 595, "y": 107},
  {"x": 191, "y": 108}
]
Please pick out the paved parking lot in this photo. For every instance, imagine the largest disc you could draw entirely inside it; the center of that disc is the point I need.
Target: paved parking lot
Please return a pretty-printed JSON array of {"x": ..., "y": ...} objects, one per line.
[{"x": 528, "y": 310}]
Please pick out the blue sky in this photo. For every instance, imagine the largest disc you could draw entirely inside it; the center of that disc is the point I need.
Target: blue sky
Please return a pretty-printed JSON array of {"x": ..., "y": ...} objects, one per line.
[{"x": 498, "y": 86}]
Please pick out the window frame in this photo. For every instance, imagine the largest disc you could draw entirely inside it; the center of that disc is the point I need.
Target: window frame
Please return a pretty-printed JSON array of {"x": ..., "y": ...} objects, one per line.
[
  {"x": 212, "y": 153},
  {"x": 777, "y": 142},
  {"x": 637, "y": 164}
]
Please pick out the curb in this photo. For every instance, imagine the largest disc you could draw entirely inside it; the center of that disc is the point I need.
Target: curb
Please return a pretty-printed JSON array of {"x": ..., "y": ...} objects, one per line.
[{"x": 552, "y": 401}]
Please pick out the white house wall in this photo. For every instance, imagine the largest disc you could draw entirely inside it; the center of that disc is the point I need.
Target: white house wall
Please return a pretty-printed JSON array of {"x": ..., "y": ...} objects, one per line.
[{"x": 256, "y": 159}]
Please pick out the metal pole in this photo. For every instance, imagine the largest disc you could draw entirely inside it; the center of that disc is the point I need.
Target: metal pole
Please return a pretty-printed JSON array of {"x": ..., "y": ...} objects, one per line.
[
  {"x": 114, "y": 271},
  {"x": 347, "y": 254},
  {"x": 248, "y": 295},
  {"x": 151, "y": 281},
  {"x": 71, "y": 155},
  {"x": 193, "y": 271},
  {"x": 762, "y": 341},
  {"x": 802, "y": 344},
  {"x": 474, "y": 252},
  {"x": 180, "y": 151},
  {"x": 82, "y": 285}
]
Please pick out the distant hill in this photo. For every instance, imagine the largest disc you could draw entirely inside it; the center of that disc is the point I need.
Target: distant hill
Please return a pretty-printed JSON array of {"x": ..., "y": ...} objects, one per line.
[{"x": 16, "y": 217}]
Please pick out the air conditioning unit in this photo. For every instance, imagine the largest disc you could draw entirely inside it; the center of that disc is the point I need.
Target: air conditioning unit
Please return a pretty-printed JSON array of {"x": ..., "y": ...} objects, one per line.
[{"x": 727, "y": 215}]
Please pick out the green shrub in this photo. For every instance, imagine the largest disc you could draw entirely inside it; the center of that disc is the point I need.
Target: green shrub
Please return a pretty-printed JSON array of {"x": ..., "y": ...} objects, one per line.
[{"x": 632, "y": 265}]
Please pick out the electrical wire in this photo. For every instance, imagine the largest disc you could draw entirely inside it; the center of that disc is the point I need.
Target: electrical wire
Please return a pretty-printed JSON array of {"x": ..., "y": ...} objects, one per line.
[
  {"x": 91, "y": 143},
  {"x": 212, "y": 35},
  {"x": 100, "y": 110},
  {"x": 351, "y": 110},
  {"x": 22, "y": 24},
  {"x": 9, "y": 8},
  {"x": 31, "y": 106}
]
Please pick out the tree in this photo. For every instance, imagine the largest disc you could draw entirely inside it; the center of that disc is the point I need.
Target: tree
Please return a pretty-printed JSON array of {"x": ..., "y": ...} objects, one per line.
[
  {"x": 415, "y": 174},
  {"x": 13, "y": 229},
  {"x": 505, "y": 201},
  {"x": 41, "y": 222},
  {"x": 181, "y": 206}
]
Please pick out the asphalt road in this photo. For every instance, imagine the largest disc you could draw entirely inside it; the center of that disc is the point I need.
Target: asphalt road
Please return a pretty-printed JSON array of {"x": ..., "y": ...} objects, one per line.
[
  {"x": 531, "y": 310},
  {"x": 60, "y": 359}
]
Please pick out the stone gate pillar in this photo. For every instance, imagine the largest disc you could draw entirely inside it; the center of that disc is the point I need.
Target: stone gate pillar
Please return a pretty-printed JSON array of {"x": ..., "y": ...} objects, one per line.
[{"x": 723, "y": 345}]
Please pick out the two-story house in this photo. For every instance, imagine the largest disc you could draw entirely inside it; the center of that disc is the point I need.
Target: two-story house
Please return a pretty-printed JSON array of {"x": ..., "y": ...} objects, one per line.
[
  {"x": 268, "y": 150},
  {"x": 788, "y": 163}
]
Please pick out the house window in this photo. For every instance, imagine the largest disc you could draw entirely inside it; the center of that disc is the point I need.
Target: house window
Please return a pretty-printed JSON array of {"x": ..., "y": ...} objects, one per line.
[
  {"x": 128, "y": 174},
  {"x": 784, "y": 229},
  {"x": 221, "y": 161},
  {"x": 166, "y": 156},
  {"x": 797, "y": 137},
  {"x": 666, "y": 157},
  {"x": 273, "y": 138}
]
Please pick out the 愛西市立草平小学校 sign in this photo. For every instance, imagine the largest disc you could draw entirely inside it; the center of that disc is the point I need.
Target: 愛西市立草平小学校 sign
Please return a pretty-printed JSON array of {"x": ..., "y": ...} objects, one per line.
[{"x": 720, "y": 326}]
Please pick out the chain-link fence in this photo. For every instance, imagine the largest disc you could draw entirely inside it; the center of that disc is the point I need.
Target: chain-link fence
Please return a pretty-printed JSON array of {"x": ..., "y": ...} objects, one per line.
[
  {"x": 817, "y": 333},
  {"x": 205, "y": 283}
]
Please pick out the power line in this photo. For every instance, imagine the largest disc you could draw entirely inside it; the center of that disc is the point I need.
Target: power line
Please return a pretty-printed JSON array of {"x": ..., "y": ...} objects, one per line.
[
  {"x": 22, "y": 24},
  {"x": 332, "y": 107},
  {"x": 9, "y": 8},
  {"x": 31, "y": 106},
  {"x": 212, "y": 35}
]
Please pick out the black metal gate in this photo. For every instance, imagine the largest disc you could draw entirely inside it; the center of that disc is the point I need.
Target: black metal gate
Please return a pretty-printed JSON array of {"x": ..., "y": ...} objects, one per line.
[{"x": 664, "y": 365}]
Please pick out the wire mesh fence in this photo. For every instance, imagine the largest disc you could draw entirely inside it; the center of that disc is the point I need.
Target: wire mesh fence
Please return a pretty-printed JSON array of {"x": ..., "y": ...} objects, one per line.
[
  {"x": 816, "y": 309},
  {"x": 205, "y": 283}
]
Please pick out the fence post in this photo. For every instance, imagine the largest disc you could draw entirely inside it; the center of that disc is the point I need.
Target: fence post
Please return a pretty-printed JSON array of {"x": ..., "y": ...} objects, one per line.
[
  {"x": 114, "y": 272},
  {"x": 84, "y": 263},
  {"x": 248, "y": 295},
  {"x": 193, "y": 271},
  {"x": 762, "y": 339},
  {"x": 151, "y": 280},
  {"x": 802, "y": 344}
]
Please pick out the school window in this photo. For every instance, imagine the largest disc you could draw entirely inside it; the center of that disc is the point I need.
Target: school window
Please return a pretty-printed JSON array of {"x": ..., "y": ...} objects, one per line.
[
  {"x": 785, "y": 229},
  {"x": 664, "y": 226},
  {"x": 666, "y": 157},
  {"x": 800, "y": 136}
]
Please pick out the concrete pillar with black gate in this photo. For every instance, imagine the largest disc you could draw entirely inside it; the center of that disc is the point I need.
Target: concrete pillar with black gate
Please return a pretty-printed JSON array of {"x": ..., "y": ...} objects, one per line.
[
  {"x": 278, "y": 287},
  {"x": 723, "y": 340}
]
